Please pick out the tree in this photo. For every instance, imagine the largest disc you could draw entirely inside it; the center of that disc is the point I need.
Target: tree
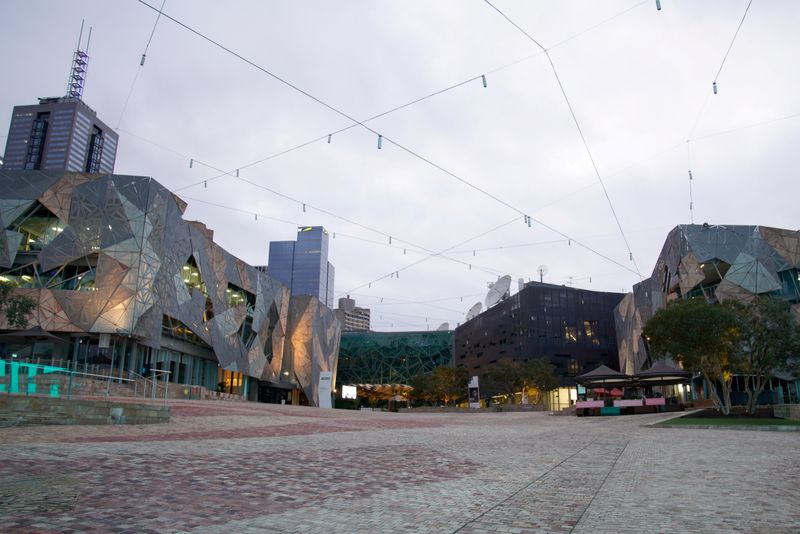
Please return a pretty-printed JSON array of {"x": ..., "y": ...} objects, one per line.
[
  {"x": 449, "y": 383},
  {"x": 541, "y": 377},
  {"x": 703, "y": 338},
  {"x": 16, "y": 307},
  {"x": 423, "y": 389},
  {"x": 505, "y": 377},
  {"x": 769, "y": 341},
  {"x": 536, "y": 374}
]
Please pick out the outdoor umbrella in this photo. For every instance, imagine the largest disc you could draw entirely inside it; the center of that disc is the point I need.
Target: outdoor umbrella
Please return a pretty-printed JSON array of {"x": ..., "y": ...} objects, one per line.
[
  {"x": 662, "y": 374},
  {"x": 603, "y": 376}
]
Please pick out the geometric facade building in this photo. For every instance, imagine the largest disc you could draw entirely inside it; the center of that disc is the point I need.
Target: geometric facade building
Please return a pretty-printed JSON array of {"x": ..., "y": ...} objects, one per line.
[
  {"x": 392, "y": 357},
  {"x": 717, "y": 263},
  {"x": 573, "y": 328},
  {"x": 59, "y": 133},
  {"x": 111, "y": 254},
  {"x": 303, "y": 265},
  {"x": 353, "y": 318}
]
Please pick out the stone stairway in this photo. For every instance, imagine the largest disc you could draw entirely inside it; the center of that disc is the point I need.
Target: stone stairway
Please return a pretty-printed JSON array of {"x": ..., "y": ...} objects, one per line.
[{"x": 19, "y": 410}]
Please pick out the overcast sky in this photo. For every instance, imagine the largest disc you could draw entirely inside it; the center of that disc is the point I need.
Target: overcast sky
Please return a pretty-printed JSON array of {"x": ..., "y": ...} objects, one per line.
[{"x": 639, "y": 81}]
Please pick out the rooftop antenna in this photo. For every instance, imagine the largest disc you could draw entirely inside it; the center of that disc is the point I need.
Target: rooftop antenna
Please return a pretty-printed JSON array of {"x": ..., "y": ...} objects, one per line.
[
  {"x": 80, "y": 64},
  {"x": 542, "y": 270}
]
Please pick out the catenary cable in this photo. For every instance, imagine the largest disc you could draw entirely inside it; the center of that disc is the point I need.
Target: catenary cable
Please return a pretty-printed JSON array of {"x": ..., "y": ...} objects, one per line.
[
  {"x": 580, "y": 131},
  {"x": 389, "y": 140}
]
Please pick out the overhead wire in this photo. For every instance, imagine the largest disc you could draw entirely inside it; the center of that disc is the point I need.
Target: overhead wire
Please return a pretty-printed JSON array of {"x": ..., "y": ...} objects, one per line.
[
  {"x": 389, "y": 140},
  {"x": 580, "y": 130},
  {"x": 141, "y": 64},
  {"x": 714, "y": 89},
  {"x": 417, "y": 100},
  {"x": 733, "y": 40}
]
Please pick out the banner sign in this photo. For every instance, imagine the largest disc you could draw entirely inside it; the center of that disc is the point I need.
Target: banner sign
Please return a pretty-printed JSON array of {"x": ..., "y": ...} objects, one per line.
[{"x": 474, "y": 393}]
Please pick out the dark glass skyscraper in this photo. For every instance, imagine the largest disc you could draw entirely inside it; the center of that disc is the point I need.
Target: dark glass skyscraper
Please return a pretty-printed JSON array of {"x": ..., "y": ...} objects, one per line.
[
  {"x": 303, "y": 264},
  {"x": 59, "y": 133}
]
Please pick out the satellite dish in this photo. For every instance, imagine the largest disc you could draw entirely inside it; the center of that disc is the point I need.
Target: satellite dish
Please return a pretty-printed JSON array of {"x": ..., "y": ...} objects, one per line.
[
  {"x": 542, "y": 270},
  {"x": 498, "y": 291},
  {"x": 443, "y": 327},
  {"x": 474, "y": 310}
]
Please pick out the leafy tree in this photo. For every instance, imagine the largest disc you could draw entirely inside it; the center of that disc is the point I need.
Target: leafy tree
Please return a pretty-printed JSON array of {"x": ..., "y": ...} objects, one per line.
[
  {"x": 449, "y": 383},
  {"x": 769, "y": 341},
  {"x": 423, "y": 387},
  {"x": 703, "y": 338},
  {"x": 541, "y": 377},
  {"x": 535, "y": 376},
  {"x": 505, "y": 377},
  {"x": 16, "y": 307}
]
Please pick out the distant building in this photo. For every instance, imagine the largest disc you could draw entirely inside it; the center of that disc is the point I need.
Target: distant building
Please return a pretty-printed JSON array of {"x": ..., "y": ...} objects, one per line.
[
  {"x": 573, "y": 328},
  {"x": 60, "y": 134},
  {"x": 303, "y": 264},
  {"x": 352, "y": 318},
  {"x": 392, "y": 357}
]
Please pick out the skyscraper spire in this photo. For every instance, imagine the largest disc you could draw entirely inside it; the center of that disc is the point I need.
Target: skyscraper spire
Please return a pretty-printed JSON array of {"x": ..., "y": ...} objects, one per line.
[{"x": 80, "y": 64}]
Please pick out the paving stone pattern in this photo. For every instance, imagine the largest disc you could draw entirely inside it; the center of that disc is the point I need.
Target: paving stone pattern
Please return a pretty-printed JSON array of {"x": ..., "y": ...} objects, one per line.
[{"x": 223, "y": 467}]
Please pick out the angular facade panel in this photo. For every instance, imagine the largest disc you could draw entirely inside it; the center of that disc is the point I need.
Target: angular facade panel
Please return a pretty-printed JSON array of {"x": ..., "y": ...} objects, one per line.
[
  {"x": 112, "y": 254},
  {"x": 717, "y": 263}
]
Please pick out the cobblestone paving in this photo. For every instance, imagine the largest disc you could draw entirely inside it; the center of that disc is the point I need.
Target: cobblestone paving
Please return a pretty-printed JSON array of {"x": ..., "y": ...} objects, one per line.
[{"x": 232, "y": 467}]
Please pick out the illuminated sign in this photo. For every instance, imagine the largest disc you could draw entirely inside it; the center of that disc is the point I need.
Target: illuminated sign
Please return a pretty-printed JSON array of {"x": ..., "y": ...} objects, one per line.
[{"x": 349, "y": 392}]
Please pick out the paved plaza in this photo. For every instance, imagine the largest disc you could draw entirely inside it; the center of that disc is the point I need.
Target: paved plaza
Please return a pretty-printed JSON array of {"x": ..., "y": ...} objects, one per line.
[{"x": 232, "y": 467}]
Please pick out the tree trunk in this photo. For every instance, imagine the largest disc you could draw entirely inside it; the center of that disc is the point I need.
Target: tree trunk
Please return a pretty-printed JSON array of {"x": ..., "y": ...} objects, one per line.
[
  {"x": 722, "y": 403},
  {"x": 754, "y": 392}
]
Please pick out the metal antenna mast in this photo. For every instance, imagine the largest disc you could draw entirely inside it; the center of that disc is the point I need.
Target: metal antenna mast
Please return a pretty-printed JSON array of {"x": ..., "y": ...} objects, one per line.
[{"x": 80, "y": 64}]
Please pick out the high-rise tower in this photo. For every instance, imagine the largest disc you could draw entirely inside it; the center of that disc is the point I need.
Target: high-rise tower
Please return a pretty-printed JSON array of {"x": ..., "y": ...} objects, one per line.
[
  {"x": 61, "y": 133},
  {"x": 303, "y": 264}
]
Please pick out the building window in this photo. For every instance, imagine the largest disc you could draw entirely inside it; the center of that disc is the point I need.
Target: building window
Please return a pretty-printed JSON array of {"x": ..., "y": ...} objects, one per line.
[
  {"x": 38, "y": 226},
  {"x": 95, "y": 153},
  {"x": 590, "y": 329},
  {"x": 33, "y": 161},
  {"x": 570, "y": 334},
  {"x": 573, "y": 368}
]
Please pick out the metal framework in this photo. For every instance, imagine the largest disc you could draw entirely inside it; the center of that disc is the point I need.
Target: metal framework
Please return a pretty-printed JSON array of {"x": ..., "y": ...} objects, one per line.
[{"x": 392, "y": 357}]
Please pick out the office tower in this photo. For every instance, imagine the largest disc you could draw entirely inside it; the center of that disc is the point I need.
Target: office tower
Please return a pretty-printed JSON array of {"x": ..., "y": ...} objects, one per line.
[
  {"x": 61, "y": 133},
  {"x": 351, "y": 316},
  {"x": 303, "y": 264}
]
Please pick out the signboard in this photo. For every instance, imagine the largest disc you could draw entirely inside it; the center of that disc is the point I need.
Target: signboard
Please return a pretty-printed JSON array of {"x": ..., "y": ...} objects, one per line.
[
  {"x": 474, "y": 393},
  {"x": 325, "y": 379},
  {"x": 349, "y": 392}
]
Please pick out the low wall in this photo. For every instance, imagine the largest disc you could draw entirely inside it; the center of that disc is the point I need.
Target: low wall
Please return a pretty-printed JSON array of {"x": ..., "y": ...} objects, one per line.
[
  {"x": 787, "y": 411},
  {"x": 20, "y": 411}
]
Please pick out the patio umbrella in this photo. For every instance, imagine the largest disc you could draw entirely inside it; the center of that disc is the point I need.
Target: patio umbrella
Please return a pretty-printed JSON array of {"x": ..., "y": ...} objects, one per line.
[
  {"x": 662, "y": 374},
  {"x": 603, "y": 376}
]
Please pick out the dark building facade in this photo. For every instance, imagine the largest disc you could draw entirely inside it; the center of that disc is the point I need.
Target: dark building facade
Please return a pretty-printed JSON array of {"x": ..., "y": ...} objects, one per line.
[
  {"x": 59, "y": 134},
  {"x": 303, "y": 264},
  {"x": 573, "y": 328}
]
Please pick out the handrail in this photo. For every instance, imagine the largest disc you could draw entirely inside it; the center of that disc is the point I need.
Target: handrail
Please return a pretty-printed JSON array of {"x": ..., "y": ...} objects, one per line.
[{"x": 72, "y": 374}]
